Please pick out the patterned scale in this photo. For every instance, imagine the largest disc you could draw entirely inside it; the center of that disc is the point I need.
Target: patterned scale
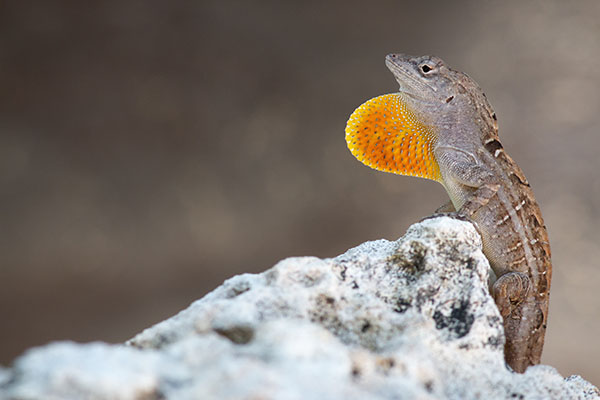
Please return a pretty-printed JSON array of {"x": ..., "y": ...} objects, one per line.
[{"x": 385, "y": 135}]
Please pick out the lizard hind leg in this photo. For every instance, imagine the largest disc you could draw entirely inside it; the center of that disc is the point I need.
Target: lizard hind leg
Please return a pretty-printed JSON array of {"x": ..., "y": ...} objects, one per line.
[
  {"x": 384, "y": 134},
  {"x": 509, "y": 291}
]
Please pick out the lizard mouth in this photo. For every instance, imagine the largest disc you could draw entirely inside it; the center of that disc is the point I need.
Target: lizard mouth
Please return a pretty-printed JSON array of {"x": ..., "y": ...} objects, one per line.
[{"x": 410, "y": 84}]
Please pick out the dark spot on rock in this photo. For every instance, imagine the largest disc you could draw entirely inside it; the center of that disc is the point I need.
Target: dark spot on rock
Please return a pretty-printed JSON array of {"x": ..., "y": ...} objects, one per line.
[
  {"x": 324, "y": 302},
  {"x": 470, "y": 263},
  {"x": 157, "y": 342},
  {"x": 517, "y": 396},
  {"x": 386, "y": 363},
  {"x": 13, "y": 378},
  {"x": 413, "y": 261},
  {"x": 163, "y": 339},
  {"x": 324, "y": 312},
  {"x": 154, "y": 395},
  {"x": 355, "y": 371},
  {"x": 429, "y": 386},
  {"x": 365, "y": 327},
  {"x": 343, "y": 273},
  {"x": 354, "y": 285},
  {"x": 239, "y": 334},
  {"x": 458, "y": 322},
  {"x": 424, "y": 295},
  {"x": 417, "y": 253},
  {"x": 237, "y": 290},
  {"x": 493, "y": 320},
  {"x": 310, "y": 279},
  {"x": 271, "y": 276},
  {"x": 402, "y": 305},
  {"x": 495, "y": 341}
]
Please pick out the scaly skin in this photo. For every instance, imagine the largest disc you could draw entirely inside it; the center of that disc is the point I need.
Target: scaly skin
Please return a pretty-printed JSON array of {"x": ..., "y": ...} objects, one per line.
[{"x": 440, "y": 126}]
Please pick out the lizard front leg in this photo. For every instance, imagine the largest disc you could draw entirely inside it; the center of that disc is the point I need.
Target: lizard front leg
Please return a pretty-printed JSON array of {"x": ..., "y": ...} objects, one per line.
[{"x": 480, "y": 198}]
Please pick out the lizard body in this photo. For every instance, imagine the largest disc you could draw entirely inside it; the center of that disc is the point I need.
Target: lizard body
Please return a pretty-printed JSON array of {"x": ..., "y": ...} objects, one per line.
[{"x": 440, "y": 126}]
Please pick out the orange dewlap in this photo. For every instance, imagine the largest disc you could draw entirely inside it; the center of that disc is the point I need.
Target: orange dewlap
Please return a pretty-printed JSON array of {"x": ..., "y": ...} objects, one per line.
[{"x": 385, "y": 135}]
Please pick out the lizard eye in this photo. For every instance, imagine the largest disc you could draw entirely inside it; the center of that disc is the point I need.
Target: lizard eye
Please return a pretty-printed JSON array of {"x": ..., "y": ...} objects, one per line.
[{"x": 426, "y": 68}]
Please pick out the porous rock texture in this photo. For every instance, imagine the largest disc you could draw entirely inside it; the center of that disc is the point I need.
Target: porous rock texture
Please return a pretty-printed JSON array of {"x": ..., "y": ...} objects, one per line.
[{"x": 410, "y": 319}]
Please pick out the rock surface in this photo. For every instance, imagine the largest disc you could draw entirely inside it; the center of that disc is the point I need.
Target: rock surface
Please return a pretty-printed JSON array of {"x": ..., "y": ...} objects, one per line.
[{"x": 410, "y": 319}]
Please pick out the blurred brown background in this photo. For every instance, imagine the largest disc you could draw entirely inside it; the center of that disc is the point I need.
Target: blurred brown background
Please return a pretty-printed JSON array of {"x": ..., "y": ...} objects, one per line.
[{"x": 151, "y": 149}]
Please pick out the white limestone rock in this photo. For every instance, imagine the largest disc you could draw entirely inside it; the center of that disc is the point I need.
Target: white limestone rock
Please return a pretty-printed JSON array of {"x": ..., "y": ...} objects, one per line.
[{"x": 410, "y": 319}]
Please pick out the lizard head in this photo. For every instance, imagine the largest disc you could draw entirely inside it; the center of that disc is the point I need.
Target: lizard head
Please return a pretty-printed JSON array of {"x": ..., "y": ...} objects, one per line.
[
  {"x": 439, "y": 95},
  {"x": 399, "y": 132}
]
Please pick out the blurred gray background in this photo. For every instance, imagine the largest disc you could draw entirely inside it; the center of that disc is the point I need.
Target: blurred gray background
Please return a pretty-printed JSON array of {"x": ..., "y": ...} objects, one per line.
[{"x": 151, "y": 149}]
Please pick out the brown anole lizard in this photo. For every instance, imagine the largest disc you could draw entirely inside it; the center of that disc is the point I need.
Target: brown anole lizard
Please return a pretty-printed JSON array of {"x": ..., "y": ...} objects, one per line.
[{"x": 440, "y": 126}]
